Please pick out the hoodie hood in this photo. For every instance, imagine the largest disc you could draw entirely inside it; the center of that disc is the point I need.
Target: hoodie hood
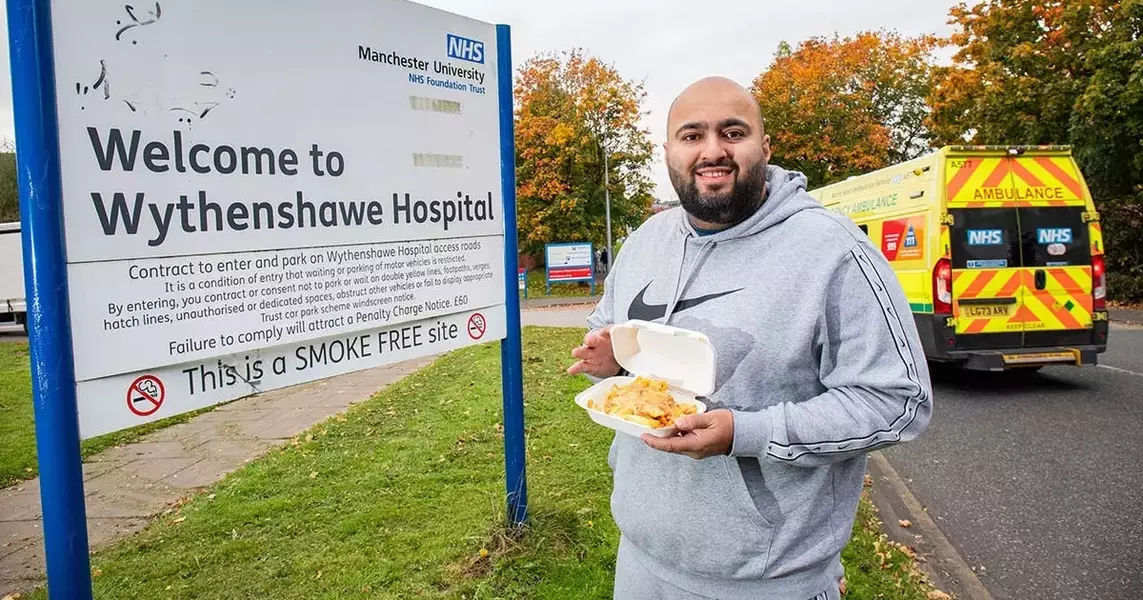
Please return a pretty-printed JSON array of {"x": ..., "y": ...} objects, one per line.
[{"x": 785, "y": 196}]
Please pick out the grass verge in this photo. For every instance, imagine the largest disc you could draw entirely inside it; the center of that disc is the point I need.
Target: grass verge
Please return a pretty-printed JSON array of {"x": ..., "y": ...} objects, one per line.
[
  {"x": 17, "y": 423},
  {"x": 402, "y": 496},
  {"x": 17, "y": 430}
]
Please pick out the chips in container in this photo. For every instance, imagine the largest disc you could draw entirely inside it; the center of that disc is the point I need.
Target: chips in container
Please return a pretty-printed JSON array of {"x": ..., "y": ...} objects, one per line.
[{"x": 657, "y": 356}]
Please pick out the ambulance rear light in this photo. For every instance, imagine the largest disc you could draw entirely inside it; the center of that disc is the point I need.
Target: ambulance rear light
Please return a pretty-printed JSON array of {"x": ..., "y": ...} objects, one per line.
[
  {"x": 1099, "y": 282},
  {"x": 942, "y": 287}
]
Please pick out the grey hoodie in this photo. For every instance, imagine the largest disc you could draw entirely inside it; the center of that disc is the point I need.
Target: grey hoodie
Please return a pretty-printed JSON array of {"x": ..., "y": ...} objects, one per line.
[{"x": 820, "y": 362}]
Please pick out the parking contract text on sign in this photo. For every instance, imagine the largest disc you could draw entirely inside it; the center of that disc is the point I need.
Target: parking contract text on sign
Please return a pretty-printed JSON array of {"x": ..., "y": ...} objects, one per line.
[{"x": 185, "y": 308}]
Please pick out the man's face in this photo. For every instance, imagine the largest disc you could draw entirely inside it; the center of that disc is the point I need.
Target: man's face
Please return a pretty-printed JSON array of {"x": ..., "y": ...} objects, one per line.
[{"x": 717, "y": 153}]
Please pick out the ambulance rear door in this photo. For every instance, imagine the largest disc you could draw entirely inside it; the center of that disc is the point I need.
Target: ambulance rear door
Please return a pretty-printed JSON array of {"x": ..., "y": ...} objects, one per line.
[{"x": 1021, "y": 259}]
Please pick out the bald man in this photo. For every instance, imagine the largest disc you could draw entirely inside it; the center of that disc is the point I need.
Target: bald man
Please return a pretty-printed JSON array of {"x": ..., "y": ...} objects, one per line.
[{"x": 819, "y": 363}]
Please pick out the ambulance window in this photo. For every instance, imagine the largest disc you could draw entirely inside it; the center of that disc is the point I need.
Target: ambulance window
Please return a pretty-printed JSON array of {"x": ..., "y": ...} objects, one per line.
[
  {"x": 1054, "y": 237},
  {"x": 984, "y": 238},
  {"x": 864, "y": 228}
]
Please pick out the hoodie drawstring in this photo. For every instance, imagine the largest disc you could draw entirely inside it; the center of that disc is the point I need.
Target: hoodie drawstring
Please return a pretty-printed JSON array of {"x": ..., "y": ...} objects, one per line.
[{"x": 681, "y": 283}]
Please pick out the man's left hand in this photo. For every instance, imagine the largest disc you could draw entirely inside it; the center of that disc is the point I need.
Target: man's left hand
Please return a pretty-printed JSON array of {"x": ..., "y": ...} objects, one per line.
[{"x": 703, "y": 435}]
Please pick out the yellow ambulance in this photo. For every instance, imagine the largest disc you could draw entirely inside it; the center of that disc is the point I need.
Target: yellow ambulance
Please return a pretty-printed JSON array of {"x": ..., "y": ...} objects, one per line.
[{"x": 998, "y": 249}]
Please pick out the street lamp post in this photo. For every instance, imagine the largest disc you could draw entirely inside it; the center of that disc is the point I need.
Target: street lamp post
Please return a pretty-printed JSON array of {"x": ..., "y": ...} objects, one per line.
[
  {"x": 607, "y": 181},
  {"x": 607, "y": 204}
]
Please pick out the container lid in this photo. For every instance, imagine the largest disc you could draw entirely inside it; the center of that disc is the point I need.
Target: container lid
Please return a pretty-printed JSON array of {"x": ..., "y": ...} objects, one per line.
[{"x": 683, "y": 358}]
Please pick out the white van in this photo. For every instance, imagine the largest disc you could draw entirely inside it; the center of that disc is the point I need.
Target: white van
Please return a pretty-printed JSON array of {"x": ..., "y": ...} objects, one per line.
[{"x": 13, "y": 308}]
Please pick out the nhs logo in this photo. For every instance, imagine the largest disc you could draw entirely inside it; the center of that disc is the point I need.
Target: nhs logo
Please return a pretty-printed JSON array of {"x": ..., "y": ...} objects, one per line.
[
  {"x": 1054, "y": 235},
  {"x": 985, "y": 237},
  {"x": 465, "y": 49}
]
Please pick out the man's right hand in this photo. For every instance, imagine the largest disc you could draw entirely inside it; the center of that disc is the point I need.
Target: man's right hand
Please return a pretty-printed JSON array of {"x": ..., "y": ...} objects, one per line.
[{"x": 595, "y": 355}]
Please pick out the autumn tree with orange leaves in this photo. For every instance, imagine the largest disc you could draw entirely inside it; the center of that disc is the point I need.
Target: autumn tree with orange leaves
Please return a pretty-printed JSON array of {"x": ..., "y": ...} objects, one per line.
[
  {"x": 570, "y": 110},
  {"x": 836, "y": 107}
]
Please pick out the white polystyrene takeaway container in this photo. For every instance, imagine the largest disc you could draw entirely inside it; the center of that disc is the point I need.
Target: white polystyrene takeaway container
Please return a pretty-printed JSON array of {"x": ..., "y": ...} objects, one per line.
[{"x": 683, "y": 358}]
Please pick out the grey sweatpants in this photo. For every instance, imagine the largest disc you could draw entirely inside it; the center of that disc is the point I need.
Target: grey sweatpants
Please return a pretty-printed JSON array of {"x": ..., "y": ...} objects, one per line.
[{"x": 634, "y": 582}]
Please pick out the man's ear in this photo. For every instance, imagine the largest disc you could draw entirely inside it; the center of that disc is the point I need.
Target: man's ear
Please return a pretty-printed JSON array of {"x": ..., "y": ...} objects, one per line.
[{"x": 766, "y": 147}]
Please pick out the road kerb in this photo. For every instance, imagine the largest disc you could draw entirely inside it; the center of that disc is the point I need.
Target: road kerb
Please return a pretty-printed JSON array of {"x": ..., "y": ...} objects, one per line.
[{"x": 943, "y": 564}]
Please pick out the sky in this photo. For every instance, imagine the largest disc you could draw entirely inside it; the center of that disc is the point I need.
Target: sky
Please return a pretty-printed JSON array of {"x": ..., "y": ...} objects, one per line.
[{"x": 665, "y": 44}]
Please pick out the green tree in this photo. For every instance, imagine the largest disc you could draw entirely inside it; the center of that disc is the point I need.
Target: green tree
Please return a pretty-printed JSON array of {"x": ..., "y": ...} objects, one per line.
[{"x": 571, "y": 109}]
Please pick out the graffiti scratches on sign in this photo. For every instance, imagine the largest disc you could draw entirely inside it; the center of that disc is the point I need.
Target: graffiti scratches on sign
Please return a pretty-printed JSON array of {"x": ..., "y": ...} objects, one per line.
[{"x": 136, "y": 22}]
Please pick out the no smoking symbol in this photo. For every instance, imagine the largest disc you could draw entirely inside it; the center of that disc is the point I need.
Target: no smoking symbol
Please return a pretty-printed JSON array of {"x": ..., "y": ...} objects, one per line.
[
  {"x": 145, "y": 395},
  {"x": 477, "y": 326}
]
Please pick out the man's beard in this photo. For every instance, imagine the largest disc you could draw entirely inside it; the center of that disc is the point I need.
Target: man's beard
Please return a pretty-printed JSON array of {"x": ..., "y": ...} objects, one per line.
[{"x": 729, "y": 208}]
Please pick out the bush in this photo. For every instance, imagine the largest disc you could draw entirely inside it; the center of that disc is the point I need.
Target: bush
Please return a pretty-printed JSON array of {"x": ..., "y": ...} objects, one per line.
[
  {"x": 9, "y": 197},
  {"x": 1122, "y": 221},
  {"x": 1124, "y": 288}
]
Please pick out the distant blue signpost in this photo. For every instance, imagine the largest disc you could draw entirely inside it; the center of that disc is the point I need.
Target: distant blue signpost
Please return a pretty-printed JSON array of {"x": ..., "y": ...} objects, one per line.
[{"x": 569, "y": 262}]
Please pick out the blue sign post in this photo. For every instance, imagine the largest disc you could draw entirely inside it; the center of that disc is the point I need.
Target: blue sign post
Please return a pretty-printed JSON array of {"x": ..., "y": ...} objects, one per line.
[
  {"x": 41, "y": 174},
  {"x": 45, "y": 281},
  {"x": 511, "y": 352}
]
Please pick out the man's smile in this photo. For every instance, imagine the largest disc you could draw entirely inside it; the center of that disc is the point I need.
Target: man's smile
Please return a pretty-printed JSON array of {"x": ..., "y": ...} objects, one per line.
[{"x": 714, "y": 175}]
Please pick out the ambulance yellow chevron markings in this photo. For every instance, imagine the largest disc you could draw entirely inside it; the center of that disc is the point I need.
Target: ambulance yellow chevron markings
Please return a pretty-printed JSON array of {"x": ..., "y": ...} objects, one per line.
[
  {"x": 999, "y": 182},
  {"x": 1062, "y": 304}
]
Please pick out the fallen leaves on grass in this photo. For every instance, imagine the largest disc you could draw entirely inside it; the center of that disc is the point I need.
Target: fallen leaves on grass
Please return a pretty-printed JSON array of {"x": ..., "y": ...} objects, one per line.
[{"x": 177, "y": 505}]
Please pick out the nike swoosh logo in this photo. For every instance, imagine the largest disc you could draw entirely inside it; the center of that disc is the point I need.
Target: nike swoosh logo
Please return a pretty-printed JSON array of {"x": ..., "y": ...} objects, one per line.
[{"x": 640, "y": 310}]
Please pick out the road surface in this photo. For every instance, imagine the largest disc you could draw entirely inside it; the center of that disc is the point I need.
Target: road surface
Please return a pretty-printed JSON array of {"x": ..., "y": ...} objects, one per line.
[{"x": 1037, "y": 481}]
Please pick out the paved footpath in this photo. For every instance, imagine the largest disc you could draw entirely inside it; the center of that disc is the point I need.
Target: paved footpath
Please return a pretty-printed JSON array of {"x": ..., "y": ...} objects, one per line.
[
  {"x": 127, "y": 486},
  {"x": 1131, "y": 316}
]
